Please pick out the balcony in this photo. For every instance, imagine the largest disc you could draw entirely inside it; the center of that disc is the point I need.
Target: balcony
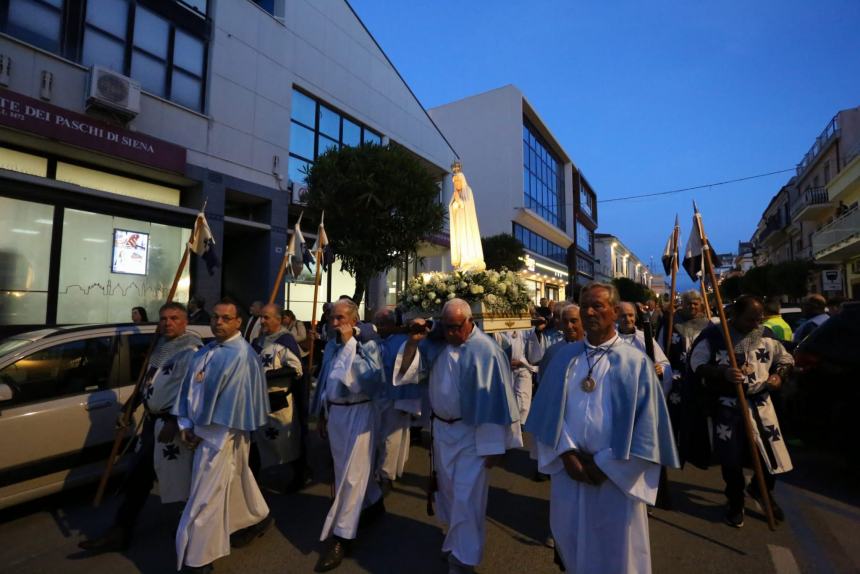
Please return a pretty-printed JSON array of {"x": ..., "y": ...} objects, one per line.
[
  {"x": 829, "y": 134},
  {"x": 773, "y": 228},
  {"x": 838, "y": 240},
  {"x": 814, "y": 204}
]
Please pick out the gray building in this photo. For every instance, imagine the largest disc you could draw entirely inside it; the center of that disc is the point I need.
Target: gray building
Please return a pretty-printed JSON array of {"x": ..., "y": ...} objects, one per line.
[{"x": 119, "y": 118}]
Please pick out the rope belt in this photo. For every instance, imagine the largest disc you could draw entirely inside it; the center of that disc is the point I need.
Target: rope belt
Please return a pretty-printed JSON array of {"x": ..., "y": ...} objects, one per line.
[
  {"x": 331, "y": 404},
  {"x": 444, "y": 420}
]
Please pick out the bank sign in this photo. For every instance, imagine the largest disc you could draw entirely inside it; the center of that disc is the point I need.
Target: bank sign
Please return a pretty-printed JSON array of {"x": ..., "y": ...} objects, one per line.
[{"x": 56, "y": 123}]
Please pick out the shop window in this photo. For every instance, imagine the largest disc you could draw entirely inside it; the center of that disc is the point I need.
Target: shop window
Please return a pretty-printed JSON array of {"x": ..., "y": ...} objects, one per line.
[
  {"x": 25, "y": 255},
  {"x": 540, "y": 245},
  {"x": 300, "y": 294},
  {"x": 23, "y": 162},
  {"x": 128, "y": 187},
  {"x": 90, "y": 293},
  {"x": 64, "y": 370},
  {"x": 37, "y": 22}
]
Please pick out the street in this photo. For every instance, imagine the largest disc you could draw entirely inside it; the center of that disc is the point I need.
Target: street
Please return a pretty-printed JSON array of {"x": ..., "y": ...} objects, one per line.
[{"x": 820, "y": 504}]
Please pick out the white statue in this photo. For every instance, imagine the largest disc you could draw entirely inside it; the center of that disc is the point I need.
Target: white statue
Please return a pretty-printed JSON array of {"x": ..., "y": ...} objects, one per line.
[{"x": 466, "y": 251}]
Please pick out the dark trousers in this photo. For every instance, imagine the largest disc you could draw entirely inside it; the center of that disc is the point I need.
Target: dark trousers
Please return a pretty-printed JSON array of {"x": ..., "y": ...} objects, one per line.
[
  {"x": 735, "y": 483},
  {"x": 139, "y": 480}
]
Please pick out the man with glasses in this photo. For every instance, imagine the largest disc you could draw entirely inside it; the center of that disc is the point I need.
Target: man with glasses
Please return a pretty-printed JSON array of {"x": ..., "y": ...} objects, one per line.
[
  {"x": 603, "y": 431},
  {"x": 475, "y": 420},
  {"x": 763, "y": 365},
  {"x": 221, "y": 402}
]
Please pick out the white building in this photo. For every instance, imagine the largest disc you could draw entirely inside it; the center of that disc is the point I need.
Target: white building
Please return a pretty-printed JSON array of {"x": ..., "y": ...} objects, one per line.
[
  {"x": 219, "y": 100},
  {"x": 615, "y": 260},
  {"x": 525, "y": 184}
]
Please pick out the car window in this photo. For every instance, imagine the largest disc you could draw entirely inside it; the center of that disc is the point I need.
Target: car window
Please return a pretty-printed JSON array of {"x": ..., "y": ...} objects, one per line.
[{"x": 63, "y": 370}]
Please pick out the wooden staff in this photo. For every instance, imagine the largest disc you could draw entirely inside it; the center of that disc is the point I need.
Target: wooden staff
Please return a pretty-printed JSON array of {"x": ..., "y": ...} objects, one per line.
[
  {"x": 704, "y": 291},
  {"x": 280, "y": 277},
  {"x": 739, "y": 388},
  {"x": 128, "y": 406},
  {"x": 671, "y": 322}
]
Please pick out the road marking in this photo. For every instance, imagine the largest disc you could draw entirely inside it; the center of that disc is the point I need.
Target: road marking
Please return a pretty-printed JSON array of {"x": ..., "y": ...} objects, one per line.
[{"x": 783, "y": 560}]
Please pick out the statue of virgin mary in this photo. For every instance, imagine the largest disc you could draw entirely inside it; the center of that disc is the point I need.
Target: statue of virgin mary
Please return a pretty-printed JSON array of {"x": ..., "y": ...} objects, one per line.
[{"x": 466, "y": 251}]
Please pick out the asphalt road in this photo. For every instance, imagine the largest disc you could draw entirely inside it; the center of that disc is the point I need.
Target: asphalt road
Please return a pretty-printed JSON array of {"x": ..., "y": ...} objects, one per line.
[{"x": 820, "y": 501}]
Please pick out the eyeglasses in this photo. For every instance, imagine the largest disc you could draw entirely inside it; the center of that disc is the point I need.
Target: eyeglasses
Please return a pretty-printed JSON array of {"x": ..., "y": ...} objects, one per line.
[{"x": 453, "y": 327}]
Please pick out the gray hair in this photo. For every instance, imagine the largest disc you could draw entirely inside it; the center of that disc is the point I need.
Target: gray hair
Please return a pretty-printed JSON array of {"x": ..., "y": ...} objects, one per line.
[
  {"x": 568, "y": 305},
  {"x": 458, "y": 305},
  {"x": 614, "y": 297},
  {"x": 688, "y": 297},
  {"x": 632, "y": 305},
  {"x": 352, "y": 308}
]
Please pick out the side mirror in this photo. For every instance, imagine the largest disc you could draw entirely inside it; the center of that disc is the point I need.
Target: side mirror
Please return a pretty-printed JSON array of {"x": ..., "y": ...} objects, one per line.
[{"x": 6, "y": 393}]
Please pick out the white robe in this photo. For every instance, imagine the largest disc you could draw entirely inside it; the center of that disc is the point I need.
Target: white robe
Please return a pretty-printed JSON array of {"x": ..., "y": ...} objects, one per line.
[
  {"x": 351, "y": 438},
  {"x": 279, "y": 442},
  {"x": 466, "y": 251},
  {"x": 459, "y": 452},
  {"x": 637, "y": 340},
  {"x": 602, "y": 528},
  {"x": 224, "y": 498},
  {"x": 393, "y": 442}
]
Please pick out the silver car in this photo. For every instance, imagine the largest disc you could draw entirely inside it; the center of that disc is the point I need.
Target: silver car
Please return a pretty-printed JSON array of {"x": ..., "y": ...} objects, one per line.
[{"x": 61, "y": 390}]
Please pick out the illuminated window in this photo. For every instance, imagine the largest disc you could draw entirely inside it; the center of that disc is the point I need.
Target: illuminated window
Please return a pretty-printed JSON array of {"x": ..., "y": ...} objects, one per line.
[{"x": 117, "y": 184}]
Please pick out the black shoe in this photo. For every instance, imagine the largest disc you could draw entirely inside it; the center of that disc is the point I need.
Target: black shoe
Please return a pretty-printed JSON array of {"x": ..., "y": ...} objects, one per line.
[
  {"x": 115, "y": 539},
  {"x": 244, "y": 537},
  {"x": 734, "y": 515},
  {"x": 206, "y": 569},
  {"x": 372, "y": 513},
  {"x": 386, "y": 485},
  {"x": 540, "y": 477},
  {"x": 778, "y": 514},
  {"x": 333, "y": 554}
]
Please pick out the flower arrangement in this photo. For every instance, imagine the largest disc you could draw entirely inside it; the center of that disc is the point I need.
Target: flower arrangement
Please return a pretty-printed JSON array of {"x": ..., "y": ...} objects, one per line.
[{"x": 502, "y": 292}]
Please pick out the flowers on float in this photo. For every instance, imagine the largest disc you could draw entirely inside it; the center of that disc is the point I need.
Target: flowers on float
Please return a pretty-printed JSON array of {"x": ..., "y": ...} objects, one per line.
[{"x": 501, "y": 291}]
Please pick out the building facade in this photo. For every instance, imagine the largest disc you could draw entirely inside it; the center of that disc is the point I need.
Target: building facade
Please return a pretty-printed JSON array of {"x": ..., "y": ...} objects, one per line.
[
  {"x": 525, "y": 184},
  {"x": 120, "y": 119},
  {"x": 615, "y": 260}
]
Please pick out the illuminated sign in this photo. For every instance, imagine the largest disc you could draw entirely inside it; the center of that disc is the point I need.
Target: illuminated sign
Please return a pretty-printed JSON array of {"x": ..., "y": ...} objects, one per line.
[{"x": 130, "y": 250}]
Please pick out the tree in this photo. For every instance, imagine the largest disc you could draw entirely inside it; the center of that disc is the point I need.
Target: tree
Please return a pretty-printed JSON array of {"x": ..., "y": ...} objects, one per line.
[
  {"x": 731, "y": 288},
  {"x": 786, "y": 278},
  {"x": 503, "y": 250},
  {"x": 632, "y": 291},
  {"x": 379, "y": 202}
]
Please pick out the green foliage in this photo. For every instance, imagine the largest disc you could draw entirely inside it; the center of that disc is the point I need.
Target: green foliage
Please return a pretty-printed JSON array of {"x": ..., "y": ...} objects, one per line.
[
  {"x": 379, "y": 202},
  {"x": 632, "y": 291},
  {"x": 787, "y": 278},
  {"x": 503, "y": 251}
]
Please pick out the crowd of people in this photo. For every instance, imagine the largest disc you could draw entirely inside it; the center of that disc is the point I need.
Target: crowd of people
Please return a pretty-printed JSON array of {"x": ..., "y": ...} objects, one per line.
[{"x": 602, "y": 393}]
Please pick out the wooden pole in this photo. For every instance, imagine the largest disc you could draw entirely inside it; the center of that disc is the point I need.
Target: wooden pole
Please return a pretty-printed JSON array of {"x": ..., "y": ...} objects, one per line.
[
  {"x": 128, "y": 406},
  {"x": 314, "y": 313},
  {"x": 704, "y": 292},
  {"x": 739, "y": 388},
  {"x": 671, "y": 322}
]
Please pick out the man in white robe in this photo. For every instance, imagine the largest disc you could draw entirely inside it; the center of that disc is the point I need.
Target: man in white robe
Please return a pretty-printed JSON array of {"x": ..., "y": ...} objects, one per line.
[
  {"x": 603, "y": 431},
  {"x": 350, "y": 376},
  {"x": 222, "y": 400},
  {"x": 475, "y": 420},
  {"x": 632, "y": 336}
]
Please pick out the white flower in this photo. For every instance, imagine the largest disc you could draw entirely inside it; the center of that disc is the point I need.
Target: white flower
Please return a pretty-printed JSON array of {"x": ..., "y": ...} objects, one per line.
[
  {"x": 476, "y": 289},
  {"x": 425, "y": 303},
  {"x": 438, "y": 301},
  {"x": 431, "y": 295},
  {"x": 501, "y": 288},
  {"x": 462, "y": 285},
  {"x": 491, "y": 299},
  {"x": 416, "y": 298},
  {"x": 451, "y": 295}
]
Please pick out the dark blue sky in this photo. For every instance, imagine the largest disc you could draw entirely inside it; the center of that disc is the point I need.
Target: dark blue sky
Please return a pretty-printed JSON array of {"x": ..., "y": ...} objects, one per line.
[{"x": 646, "y": 96}]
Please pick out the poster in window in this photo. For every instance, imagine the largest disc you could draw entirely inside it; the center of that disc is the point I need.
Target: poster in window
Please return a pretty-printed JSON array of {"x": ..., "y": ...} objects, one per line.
[{"x": 130, "y": 251}]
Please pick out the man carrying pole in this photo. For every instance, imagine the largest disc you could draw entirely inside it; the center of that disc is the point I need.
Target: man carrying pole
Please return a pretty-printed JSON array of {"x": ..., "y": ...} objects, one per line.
[{"x": 746, "y": 382}]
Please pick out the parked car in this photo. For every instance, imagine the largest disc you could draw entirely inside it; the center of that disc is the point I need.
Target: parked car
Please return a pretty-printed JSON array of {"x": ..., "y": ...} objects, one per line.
[
  {"x": 827, "y": 364},
  {"x": 61, "y": 390}
]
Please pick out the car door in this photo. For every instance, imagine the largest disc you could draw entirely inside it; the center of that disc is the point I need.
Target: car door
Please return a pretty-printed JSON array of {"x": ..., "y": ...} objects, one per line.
[{"x": 63, "y": 408}]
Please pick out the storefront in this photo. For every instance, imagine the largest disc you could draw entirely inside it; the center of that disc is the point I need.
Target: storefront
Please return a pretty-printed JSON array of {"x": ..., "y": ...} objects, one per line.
[
  {"x": 543, "y": 280},
  {"x": 91, "y": 222}
]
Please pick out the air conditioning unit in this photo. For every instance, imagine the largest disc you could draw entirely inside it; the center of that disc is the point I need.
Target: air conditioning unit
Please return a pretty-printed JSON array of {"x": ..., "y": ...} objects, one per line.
[{"x": 114, "y": 92}]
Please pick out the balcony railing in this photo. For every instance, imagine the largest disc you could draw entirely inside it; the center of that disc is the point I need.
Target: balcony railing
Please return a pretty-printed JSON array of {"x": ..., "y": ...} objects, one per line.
[
  {"x": 843, "y": 228},
  {"x": 812, "y": 196},
  {"x": 774, "y": 223},
  {"x": 829, "y": 132}
]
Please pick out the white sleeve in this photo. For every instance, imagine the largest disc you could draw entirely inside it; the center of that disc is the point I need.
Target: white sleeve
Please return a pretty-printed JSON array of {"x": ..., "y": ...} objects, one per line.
[
  {"x": 548, "y": 457},
  {"x": 341, "y": 370},
  {"x": 496, "y": 439},
  {"x": 412, "y": 374},
  {"x": 184, "y": 423},
  {"x": 701, "y": 355},
  {"x": 637, "y": 478}
]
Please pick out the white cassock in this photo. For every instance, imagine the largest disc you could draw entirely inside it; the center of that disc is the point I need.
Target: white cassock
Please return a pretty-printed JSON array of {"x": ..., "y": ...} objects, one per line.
[
  {"x": 350, "y": 425},
  {"x": 598, "y": 529},
  {"x": 279, "y": 442},
  {"x": 224, "y": 494},
  {"x": 458, "y": 457},
  {"x": 637, "y": 340}
]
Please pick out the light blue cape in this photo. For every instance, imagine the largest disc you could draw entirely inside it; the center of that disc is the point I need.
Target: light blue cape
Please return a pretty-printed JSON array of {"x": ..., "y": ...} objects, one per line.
[
  {"x": 390, "y": 346},
  {"x": 234, "y": 387},
  {"x": 486, "y": 385},
  {"x": 641, "y": 425},
  {"x": 366, "y": 368}
]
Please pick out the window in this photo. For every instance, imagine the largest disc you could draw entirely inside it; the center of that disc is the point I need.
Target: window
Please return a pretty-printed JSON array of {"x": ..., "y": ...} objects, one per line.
[
  {"x": 584, "y": 238},
  {"x": 543, "y": 178},
  {"x": 540, "y": 245},
  {"x": 167, "y": 59},
  {"x": 25, "y": 255},
  {"x": 586, "y": 201},
  {"x": 37, "y": 22},
  {"x": 64, "y": 370},
  {"x": 584, "y": 266},
  {"x": 316, "y": 128}
]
